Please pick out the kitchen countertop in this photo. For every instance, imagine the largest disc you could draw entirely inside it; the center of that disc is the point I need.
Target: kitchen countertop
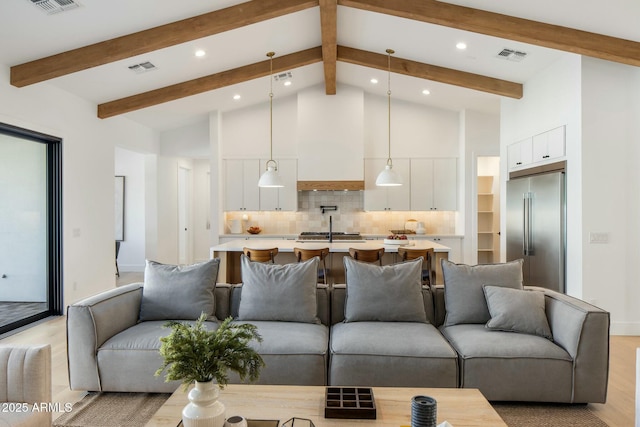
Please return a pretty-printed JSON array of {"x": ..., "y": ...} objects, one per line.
[
  {"x": 247, "y": 236},
  {"x": 287, "y": 245}
]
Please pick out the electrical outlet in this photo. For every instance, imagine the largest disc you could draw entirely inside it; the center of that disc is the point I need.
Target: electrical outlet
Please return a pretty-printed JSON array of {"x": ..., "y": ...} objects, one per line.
[{"x": 598, "y": 237}]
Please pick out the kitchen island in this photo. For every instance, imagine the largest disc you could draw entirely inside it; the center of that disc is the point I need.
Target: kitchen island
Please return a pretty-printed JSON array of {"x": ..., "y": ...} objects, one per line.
[{"x": 229, "y": 254}]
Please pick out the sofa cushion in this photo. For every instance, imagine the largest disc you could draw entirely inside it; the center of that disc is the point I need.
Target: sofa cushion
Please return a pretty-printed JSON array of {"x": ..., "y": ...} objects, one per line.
[
  {"x": 463, "y": 295},
  {"x": 515, "y": 310},
  {"x": 294, "y": 353},
  {"x": 137, "y": 348},
  {"x": 178, "y": 292},
  {"x": 274, "y": 292},
  {"x": 400, "y": 354},
  {"x": 390, "y": 293},
  {"x": 509, "y": 366}
]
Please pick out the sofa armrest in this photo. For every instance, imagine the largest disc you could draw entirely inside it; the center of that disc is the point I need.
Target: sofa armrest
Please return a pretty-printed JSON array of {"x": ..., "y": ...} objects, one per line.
[
  {"x": 91, "y": 322},
  {"x": 583, "y": 331}
]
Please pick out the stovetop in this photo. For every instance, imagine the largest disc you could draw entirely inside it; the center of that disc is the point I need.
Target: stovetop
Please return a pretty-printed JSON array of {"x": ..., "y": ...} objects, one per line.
[{"x": 321, "y": 235}]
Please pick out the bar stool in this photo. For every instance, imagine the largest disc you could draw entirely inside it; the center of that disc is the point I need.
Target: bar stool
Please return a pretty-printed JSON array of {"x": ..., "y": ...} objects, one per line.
[
  {"x": 261, "y": 255},
  {"x": 407, "y": 254},
  {"x": 367, "y": 255},
  {"x": 307, "y": 254}
]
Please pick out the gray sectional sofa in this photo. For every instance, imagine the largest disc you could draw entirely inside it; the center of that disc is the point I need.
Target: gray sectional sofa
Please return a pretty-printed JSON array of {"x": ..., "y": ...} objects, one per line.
[{"x": 389, "y": 341}]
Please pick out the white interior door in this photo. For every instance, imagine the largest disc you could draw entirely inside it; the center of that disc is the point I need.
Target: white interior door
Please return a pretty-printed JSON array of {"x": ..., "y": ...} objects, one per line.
[{"x": 184, "y": 216}]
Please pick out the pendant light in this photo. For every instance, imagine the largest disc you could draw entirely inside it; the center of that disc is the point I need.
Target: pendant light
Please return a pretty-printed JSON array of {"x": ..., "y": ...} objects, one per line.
[
  {"x": 271, "y": 178},
  {"x": 388, "y": 177}
]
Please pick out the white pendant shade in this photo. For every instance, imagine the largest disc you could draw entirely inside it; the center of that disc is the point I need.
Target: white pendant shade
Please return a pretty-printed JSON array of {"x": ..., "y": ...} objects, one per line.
[
  {"x": 270, "y": 178},
  {"x": 389, "y": 178}
]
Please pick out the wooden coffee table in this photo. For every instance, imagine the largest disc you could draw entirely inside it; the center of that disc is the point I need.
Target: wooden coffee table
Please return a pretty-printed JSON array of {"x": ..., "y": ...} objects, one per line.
[{"x": 461, "y": 407}]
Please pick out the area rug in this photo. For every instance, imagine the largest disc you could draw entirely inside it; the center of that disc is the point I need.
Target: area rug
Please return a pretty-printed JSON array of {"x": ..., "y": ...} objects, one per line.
[
  {"x": 112, "y": 410},
  {"x": 545, "y": 415}
]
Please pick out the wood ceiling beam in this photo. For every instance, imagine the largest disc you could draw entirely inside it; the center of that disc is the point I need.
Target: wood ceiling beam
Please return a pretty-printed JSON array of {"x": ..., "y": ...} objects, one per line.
[
  {"x": 430, "y": 72},
  {"x": 507, "y": 27},
  {"x": 329, "y": 28},
  {"x": 153, "y": 39},
  {"x": 207, "y": 83}
]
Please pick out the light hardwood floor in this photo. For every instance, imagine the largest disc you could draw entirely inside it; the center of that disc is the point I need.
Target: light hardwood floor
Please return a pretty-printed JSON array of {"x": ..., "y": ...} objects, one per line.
[{"x": 619, "y": 411}]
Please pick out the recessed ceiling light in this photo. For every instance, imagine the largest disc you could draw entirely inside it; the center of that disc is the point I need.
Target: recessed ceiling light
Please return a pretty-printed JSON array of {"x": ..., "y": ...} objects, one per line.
[
  {"x": 374, "y": 81},
  {"x": 287, "y": 83},
  {"x": 200, "y": 53},
  {"x": 426, "y": 91},
  {"x": 236, "y": 97},
  {"x": 461, "y": 45}
]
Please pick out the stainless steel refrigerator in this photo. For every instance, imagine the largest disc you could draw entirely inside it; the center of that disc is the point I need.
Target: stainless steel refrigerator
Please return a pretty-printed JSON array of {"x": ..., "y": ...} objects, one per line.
[{"x": 536, "y": 228}]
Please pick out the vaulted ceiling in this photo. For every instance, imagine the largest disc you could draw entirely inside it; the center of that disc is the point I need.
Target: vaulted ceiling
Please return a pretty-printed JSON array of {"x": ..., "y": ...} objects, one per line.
[{"x": 89, "y": 50}]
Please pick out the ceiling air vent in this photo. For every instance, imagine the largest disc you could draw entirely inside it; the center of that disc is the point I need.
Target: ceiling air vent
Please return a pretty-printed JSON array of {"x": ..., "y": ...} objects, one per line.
[
  {"x": 283, "y": 76},
  {"x": 142, "y": 67},
  {"x": 511, "y": 55},
  {"x": 54, "y": 6}
]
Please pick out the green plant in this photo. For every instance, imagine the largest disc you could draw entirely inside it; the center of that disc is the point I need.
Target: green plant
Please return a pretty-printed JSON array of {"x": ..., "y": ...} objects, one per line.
[{"x": 193, "y": 353}]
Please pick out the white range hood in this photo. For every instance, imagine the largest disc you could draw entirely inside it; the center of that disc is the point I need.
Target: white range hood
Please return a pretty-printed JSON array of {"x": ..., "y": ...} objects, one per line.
[{"x": 330, "y": 136}]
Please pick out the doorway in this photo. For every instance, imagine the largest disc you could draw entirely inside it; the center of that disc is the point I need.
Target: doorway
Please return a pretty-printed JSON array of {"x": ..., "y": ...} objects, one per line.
[
  {"x": 30, "y": 227},
  {"x": 488, "y": 209}
]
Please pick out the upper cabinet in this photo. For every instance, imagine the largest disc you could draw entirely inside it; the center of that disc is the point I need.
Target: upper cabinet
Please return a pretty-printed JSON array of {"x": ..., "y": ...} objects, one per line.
[
  {"x": 541, "y": 148},
  {"x": 241, "y": 191},
  {"x": 548, "y": 145},
  {"x": 386, "y": 198},
  {"x": 520, "y": 153},
  {"x": 285, "y": 198},
  {"x": 434, "y": 184}
]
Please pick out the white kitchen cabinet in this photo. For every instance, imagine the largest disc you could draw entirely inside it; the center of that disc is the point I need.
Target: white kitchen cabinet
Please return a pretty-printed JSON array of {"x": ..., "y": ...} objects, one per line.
[
  {"x": 519, "y": 154},
  {"x": 548, "y": 145},
  {"x": 386, "y": 198},
  {"x": 454, "y": 244},
  {"x": 285, "y": 198},
  {"x": 434, "y": 184},
  {"x": 541, "y": 148},
  {"x": 241, "y": 191}
]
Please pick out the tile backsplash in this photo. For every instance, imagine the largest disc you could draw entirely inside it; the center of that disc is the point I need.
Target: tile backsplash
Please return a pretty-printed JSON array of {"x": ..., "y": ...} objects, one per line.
[{"x": 349, "y": 216}]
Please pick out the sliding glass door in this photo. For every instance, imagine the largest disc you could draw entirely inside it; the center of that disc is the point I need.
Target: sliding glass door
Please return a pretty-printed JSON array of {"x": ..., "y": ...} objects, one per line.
[{"x": 30, "y": 226}]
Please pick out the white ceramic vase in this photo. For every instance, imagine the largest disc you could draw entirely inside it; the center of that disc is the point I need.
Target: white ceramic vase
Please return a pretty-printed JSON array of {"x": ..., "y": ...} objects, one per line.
[{"x": 203, "y": 409}]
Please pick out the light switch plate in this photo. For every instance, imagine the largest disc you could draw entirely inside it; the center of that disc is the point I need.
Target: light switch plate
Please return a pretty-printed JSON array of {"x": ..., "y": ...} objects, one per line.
[{"x": 598, "y": 237}]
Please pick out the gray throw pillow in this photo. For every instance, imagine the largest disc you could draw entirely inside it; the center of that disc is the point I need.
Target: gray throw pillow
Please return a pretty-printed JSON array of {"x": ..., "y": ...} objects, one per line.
[
  {"x": 515, "y": 310},
  {"x": 178, "y": 292},
  {"x": 276, "y": 292},
  {"x": 463, "y": 296},
  {"x": 391, "y": 293}
]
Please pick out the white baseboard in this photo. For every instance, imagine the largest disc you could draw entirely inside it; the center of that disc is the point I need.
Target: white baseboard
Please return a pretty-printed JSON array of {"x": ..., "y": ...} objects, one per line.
[{"x": 625, "y": 328}]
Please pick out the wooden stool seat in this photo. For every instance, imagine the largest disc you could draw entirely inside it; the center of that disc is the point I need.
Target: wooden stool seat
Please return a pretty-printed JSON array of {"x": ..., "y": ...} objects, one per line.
[
  {"x": 307, "y": 254},
  {"x": 367, "y": 255},
  {"x": 407, "y": 254},
  {"x": 261, "y": 255}
]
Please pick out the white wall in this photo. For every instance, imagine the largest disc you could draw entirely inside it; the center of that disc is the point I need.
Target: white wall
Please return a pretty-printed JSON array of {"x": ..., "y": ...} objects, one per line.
[
  {"x": 244, "y": 133},
  {"x": 480, "y": 136},
  {"x": 598, "y": 101},
  {"x": 88, "y": 171},
  {"x": 187, "y": 141},
  {"x": 131, "y": 165},
  {"x": 416, "y": 130},
  {"x": 611, "y": 189}
]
